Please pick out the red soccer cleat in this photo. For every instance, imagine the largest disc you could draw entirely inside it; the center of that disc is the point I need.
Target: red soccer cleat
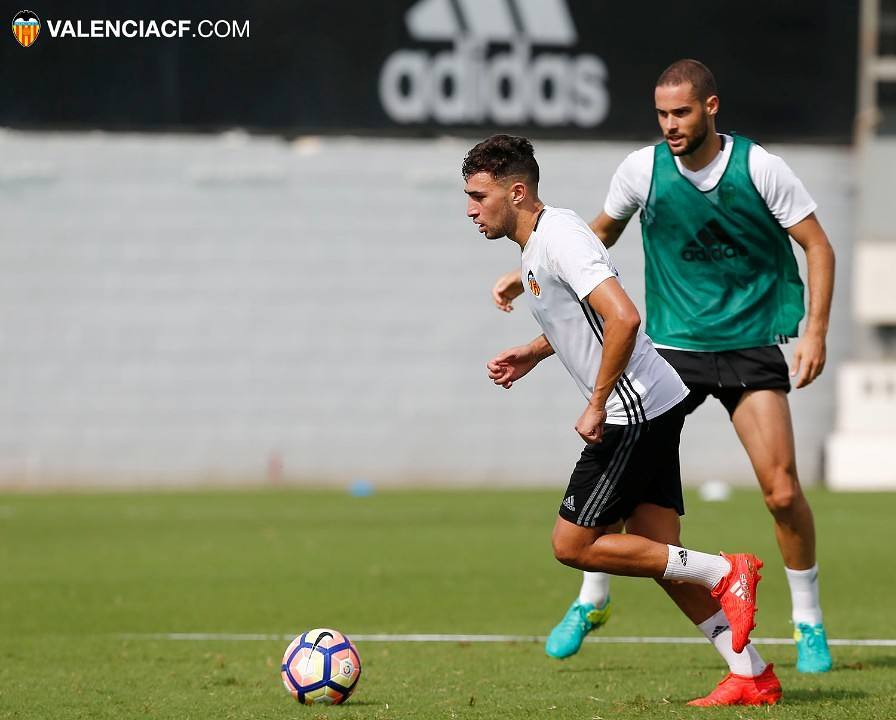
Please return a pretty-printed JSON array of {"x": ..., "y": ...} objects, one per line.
[
  {"x": 734, "y": 689},
  {"x": 737, "y": 594}
]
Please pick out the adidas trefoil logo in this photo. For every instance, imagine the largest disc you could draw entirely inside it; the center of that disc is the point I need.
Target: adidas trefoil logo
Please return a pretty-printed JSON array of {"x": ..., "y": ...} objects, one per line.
[
  {"x": 683, "y": 556},
  {"x": 570, "y": 503}
]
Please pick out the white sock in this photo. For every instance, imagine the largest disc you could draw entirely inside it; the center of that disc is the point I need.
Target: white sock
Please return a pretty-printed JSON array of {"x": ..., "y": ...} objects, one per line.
[
  {"x": 804, "y": 595},
  {"x": 595, "y": 588},
  {"x": 718, "y": 632},
  {"x": 696, "y": 567}
]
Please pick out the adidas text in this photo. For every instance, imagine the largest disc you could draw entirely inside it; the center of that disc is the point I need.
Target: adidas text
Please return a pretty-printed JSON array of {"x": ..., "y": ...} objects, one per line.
[
  {"x": 494, "y": 75},
  {"x": 694, "y": 251}
]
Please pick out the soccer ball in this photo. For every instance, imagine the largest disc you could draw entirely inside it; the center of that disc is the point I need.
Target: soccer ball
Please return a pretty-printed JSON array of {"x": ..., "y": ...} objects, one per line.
[{"x": 321, "y": 666}]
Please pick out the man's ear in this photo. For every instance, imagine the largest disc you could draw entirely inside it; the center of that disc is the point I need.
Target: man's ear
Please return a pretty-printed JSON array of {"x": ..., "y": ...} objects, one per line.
[
  {"x": 712, "y": 104},
  {"x": 518, "y": 192}
]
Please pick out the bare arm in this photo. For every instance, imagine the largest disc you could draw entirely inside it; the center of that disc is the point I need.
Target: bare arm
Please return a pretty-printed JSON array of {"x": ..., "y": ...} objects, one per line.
[
  {"x": 541, "y": 348},
  {"x": 810, "y": 354},
  {"x": 607, "y": 229},
  {"x": 509, "y": 366},
  {"x": 506, "y": 289},
  {"x": 621, "y": 323}
]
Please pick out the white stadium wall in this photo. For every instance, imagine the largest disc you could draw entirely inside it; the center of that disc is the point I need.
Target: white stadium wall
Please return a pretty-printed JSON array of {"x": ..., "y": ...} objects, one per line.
[{"x": 227, "y": 309}]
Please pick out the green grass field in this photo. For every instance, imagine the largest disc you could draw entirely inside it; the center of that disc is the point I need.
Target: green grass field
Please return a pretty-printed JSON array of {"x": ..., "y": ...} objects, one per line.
[{"x": 89, "y": 582}]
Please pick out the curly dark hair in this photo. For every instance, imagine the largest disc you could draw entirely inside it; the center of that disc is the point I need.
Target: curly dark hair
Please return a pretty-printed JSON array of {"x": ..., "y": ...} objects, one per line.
[
  {"x": 503, "y": 156},
  {"x": 693, "y": 72}
]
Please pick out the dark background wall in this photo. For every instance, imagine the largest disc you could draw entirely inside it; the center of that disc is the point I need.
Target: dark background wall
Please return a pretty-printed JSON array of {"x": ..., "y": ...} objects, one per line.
[{"x": 786, "y": 70}]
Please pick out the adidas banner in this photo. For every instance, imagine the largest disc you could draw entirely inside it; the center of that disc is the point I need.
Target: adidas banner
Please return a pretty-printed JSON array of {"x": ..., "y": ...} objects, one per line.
[{"x": 548, "y": 68}]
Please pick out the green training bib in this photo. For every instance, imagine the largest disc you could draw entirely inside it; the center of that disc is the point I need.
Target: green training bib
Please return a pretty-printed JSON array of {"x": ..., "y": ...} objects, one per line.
[{"x": 720, "y": 272}]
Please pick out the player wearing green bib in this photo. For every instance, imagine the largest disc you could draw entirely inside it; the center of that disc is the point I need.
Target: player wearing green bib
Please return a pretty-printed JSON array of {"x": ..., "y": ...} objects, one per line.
[{"x": 722, "y": 289}]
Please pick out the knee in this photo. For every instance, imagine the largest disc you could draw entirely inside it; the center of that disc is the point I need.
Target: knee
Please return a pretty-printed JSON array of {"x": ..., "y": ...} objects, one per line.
[
  {"x": 783, "y": 494},
  {"x": 566, "y": 552}
]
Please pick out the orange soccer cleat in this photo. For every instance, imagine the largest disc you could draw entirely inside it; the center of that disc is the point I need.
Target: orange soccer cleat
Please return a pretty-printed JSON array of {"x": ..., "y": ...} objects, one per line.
[
  {"x": 737, "y": 594},
  {"x": 764, "y": 689}
]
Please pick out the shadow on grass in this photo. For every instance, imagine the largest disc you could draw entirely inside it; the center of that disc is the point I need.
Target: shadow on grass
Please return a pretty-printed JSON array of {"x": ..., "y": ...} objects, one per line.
[
  {"x": 814, "y": 695},
  {"x": 699, "y": 668},
  {"x": 882, "y": 661},
  {"x": 600, "y": 669}
]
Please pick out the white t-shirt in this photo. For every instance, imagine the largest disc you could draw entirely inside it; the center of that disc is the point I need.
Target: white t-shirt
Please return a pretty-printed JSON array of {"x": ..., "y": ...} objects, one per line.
[
  {"x": 784, "y": 194},
  {"x": 562, "y": 262}
]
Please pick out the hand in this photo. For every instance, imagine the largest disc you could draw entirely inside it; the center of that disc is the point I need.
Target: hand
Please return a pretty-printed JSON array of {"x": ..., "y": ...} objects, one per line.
[
  {"x": 507, "y": 287},
  {"x": 590, "y": 425},
  {"x": 507, "y": 367},
  {"x": 808, "y": 359}
]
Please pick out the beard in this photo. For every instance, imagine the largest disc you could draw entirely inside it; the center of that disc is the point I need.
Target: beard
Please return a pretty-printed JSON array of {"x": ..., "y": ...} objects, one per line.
[
  {"x": 494, "y": 232},
  {"x": 501, "y": 227},
  {"x": 695, "y": 142}
]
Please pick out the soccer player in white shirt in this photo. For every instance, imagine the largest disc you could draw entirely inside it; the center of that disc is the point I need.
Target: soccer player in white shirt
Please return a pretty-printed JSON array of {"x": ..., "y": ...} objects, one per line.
[{"x": 628, "y": 471}]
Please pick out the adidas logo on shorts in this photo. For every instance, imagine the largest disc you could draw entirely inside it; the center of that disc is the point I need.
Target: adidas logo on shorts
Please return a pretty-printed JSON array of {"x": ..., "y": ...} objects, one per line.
[{"x": 570, "y": 503}]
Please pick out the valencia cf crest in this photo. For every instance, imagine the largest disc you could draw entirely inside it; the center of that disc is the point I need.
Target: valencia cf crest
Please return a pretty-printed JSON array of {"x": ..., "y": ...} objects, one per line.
[
  {"x": 25, "y": 27},
  {"x": 533, "y": 284}
]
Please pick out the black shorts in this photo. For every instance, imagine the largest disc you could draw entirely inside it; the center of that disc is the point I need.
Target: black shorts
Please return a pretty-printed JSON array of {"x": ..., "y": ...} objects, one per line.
[
  {"x": 728, "y": 374},
  {"x": 634, "y": 464}
]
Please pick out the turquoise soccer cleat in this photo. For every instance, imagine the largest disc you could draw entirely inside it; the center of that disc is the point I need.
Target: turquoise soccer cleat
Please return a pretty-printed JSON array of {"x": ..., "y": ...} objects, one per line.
[
  {"x": 581, "y": 618},
  {"x": 812, "y": 654}
]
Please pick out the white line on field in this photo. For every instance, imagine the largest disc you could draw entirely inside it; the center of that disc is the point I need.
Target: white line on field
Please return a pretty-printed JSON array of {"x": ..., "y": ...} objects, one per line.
[{"x": 606, "y": 639}]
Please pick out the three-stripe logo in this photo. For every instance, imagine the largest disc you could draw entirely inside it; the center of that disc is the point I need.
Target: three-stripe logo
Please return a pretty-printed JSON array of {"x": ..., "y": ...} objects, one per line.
[
  {"x": 740, "y": 588},
  {"x": 718, "y": 630},
  {"x": 492, "y": 73}
]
